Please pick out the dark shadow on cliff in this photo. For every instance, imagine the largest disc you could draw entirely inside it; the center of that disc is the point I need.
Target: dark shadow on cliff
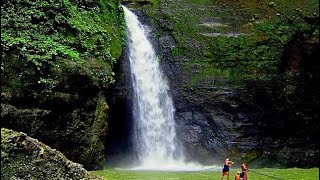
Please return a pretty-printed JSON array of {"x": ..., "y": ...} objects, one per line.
[{"x": 119, "y": 139}]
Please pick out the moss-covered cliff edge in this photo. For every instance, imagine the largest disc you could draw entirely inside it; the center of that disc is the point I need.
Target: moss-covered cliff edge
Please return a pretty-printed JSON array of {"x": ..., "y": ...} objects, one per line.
[
  {"x": 56, "y": 68},
  {"x": 243, "y": 77}
]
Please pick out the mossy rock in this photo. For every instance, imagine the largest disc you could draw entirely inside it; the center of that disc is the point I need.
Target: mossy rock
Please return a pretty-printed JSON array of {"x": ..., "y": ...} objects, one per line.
[
  {"x": 23, "y": 157},
  {"x": 72, "y": 113}
]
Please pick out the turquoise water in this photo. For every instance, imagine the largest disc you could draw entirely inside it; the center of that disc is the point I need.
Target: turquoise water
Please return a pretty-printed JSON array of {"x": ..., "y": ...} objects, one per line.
[{"x": 255, "y": 174}]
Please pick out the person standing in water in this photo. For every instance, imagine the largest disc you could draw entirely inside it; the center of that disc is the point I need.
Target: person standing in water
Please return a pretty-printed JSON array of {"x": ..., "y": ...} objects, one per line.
[{"x": 225, "y": 170}]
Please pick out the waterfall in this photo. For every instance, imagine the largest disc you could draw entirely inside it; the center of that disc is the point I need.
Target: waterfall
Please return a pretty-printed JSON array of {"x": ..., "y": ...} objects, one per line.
[
  {"x": 154, "y": 135},
  {"x": 153, "y": 110}
]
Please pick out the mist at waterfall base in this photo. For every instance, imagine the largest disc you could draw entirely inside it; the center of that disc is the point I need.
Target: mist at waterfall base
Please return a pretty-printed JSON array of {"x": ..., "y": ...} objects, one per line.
[{"x": 154, "y": 137}]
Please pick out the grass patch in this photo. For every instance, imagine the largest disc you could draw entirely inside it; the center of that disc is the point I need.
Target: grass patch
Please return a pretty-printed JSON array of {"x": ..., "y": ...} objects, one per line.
[{"x": 261, "y": 174}]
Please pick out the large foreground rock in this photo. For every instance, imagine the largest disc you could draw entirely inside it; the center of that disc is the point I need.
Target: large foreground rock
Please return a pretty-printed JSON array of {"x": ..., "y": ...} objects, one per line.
[{"x": 23, "y": 157}]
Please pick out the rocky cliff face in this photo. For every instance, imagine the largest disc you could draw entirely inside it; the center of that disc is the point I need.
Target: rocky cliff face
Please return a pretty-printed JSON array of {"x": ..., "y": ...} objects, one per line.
[
  {"x": 242, "y": 82},
  {"x": 23, "y": 157},
  {"x": 57, "y": 65}
]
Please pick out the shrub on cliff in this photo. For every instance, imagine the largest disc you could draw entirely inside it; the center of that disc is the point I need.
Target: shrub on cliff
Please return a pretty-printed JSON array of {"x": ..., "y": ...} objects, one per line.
[{"x": 40, "y": 32}]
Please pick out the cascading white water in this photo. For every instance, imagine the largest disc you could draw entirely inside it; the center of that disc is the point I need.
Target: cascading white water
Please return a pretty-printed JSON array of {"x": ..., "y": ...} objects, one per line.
[
  {"x": 153, "y": 111},
  {"x": 154, "y": 126}
]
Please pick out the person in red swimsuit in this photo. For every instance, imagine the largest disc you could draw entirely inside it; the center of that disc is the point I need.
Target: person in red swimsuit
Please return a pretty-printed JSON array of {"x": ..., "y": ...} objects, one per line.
[{"x": 244, "y": 169}]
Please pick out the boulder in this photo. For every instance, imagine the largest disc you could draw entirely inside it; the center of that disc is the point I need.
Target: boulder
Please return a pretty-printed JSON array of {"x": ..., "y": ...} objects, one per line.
[{"x": 23, "y": 157}]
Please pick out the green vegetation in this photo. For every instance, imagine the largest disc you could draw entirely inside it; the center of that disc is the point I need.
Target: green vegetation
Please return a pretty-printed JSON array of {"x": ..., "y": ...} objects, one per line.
[
  {"x": 40, "y": 32},
  {"x": 58, "y": 58},
  {"x": 292, "y": 174},
  {"x": 234, "y": 41}
]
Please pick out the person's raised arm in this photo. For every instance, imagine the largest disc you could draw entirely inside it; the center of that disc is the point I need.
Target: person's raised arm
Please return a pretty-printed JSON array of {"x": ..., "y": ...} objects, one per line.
[{"x": 230, "y": 163}]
